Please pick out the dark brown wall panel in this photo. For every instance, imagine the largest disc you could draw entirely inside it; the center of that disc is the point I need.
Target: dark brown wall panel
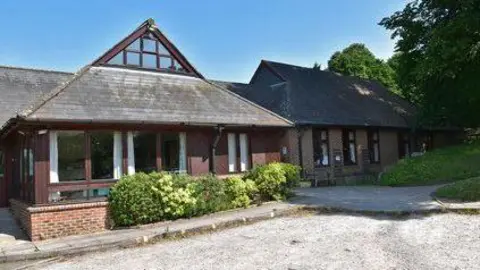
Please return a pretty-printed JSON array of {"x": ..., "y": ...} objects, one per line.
[
  {"x": 221, "y": 161},
  {"x": 198, "y": 152},
  {"x": 42, "y": 168}
]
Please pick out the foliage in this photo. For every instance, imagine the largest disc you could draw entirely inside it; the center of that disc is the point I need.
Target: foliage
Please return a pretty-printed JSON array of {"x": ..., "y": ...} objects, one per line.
[
  {"x": 357, "y": 60},
  {"x": 210, "y": 194},
  {"x": 145, "y": 198},
  {"x": 240, "y": 192},
  {"x": 142, "y": 198},
  {"x": 439, "y": 59},
  {"x": 438, "y": 166},
  {"x": 466, "y": 190},
  {"x": 275, "y": 180}
]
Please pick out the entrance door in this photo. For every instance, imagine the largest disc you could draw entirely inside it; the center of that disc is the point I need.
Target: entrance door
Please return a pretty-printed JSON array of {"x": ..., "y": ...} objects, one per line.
[{"x": 3, "y": 181}]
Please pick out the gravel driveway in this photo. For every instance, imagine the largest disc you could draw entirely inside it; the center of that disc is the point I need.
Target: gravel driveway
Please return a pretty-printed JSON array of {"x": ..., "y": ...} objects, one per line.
[{"x": 447, "y": 241}]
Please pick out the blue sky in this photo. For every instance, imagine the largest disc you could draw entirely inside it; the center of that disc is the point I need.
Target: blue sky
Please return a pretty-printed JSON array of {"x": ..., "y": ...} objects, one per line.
[{"x": 223, "y": 39}]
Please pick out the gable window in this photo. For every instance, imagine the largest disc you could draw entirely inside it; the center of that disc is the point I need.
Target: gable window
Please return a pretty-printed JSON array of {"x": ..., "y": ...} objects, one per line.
[
  {"x": 349, "y": 147},
  {"x": 374, "y": 146},
  {"x": 320, "y": 147},
  {"x": 149, "y": 53}
]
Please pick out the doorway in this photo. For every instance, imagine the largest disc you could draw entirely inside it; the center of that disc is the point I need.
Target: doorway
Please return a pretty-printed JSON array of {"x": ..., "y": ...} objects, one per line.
[{"x": 3, "y": 181}]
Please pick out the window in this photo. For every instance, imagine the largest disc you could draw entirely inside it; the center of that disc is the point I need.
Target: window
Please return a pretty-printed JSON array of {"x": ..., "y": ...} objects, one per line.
[
  {"x": 232, "y": 152},
  {"x": 374, "y": 146},
  {"x": 403, "y": 145},
  {"x": 147, "y": 52},
  {"x": 238, "y": 144},
  {"x": 145, "y": 151},
  {"x": 71, "y": 155},
  {"x": 320, "y": 148},
  {"x": 349, "y": 147},
  {"x": 102, "y": 155},
  {"x": 174, "y": 152},
  {"x": 244, "y": 160}
]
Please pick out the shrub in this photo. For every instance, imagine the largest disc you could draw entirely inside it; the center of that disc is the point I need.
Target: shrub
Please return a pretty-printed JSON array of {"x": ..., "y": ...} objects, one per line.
[
  {"x": 209, "y": 192},
  {"x": 438, "y": 166},
  {"x": 274, "y": 180},
  {"x": 240, "y": 192},
  {"x": 142, "y": 198}
]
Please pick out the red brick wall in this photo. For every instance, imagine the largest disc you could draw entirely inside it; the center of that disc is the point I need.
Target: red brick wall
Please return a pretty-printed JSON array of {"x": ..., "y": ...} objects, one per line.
[{"x": 53, "y": 221}]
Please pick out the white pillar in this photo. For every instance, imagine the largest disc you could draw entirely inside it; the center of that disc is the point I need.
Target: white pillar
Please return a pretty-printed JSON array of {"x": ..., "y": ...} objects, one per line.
[
  {"x": 131, "y": 154},
  {"x": 117, "y": 155},
  {"x": 232, "y": 153},
  {"x": 243, "y": 152},
  {"x": 53, "y": 157},
  {"x": 182, "y": 163},
  {"x": 53, "y": 138}
]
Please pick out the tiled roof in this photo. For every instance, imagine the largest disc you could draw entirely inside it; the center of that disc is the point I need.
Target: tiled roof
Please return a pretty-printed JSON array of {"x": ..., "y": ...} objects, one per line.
[
  {"x": 21, "y": 86},
  {"x": 107, "y": 94},
  {"x": 308, "y": 96}
]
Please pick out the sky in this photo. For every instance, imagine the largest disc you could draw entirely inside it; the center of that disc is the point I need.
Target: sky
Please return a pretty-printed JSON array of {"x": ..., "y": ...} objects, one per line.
[{"x": 224, "y": 40}]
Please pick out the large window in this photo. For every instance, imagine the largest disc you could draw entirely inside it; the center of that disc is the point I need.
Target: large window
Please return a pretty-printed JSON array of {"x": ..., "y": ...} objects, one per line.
[
  {"x": 349, "y": 147},
  {"x": 238, "y": 152},
  {"x": 83, "y": 163},
  {"x": 149, "y": 53},
  {"x": 102, "y": 155},
  {"x": 145, "y": 151},
  {"x": 71, "y": 155},
  {"x": 320, "y": 148},
  {"x": 170, "y": 152},
  {"x": 374, "y": 146}
]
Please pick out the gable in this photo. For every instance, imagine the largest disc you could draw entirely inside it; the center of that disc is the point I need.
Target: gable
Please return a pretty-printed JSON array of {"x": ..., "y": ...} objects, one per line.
[{"x": 147, "y": 48}]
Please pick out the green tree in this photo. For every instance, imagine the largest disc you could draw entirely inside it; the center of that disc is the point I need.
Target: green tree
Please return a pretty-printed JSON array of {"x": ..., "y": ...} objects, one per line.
[
  {"x": 438, "y": 64},
  {"x": 358, "y": 60}
]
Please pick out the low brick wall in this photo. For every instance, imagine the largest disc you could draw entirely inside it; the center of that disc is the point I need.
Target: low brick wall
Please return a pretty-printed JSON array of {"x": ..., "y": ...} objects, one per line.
[{"x": 46, "y": 222}]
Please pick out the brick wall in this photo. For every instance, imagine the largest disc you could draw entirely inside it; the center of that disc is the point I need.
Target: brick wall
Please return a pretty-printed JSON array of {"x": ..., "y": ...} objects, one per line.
[{"x": 45, "y": 222}]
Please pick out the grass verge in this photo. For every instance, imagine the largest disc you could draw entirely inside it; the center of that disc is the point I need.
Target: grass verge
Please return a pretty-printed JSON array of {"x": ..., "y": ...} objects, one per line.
[
  {"x": 466, "y": 190},
  {"x": 443, "y": 165}
]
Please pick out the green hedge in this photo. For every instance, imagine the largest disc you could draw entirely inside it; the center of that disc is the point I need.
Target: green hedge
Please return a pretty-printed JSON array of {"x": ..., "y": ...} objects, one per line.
[
  {"x": 438, "y": 166},
  {"x": 275, "y": 181},
  {"x": 146, "y": 198}
]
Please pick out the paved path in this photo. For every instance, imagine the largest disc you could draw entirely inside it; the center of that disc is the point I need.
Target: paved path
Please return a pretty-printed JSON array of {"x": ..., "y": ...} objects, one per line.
[
  {"x": 360, "y": 198},
  {"x": 370, "y": 198},
  {"x": 446, "y": 241}
]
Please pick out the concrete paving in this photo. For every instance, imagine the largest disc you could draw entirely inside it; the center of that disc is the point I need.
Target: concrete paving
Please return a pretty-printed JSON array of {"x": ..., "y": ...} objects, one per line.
[
  {"x": 351, "y": 198},
  {"x": 370, "y": 198}
]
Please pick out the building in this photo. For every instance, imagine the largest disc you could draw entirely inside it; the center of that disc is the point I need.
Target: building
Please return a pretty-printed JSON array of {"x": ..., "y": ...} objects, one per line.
[
  {"x": 66, "y": 138},
  {"x": 141, "y": 106},
  {"x": 345, "y": 127}
]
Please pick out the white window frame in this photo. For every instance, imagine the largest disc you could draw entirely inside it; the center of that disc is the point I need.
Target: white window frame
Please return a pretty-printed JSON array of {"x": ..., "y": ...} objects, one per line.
[
  {"x": 244, "y": 152},
  {"x": 232, "y": 152}
]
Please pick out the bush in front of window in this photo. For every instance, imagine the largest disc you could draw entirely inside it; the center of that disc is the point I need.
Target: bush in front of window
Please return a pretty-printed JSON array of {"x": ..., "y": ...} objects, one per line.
[
  {"x": 210, "y": 194},
  {"x": 240, "y": 192},
  {"x": 275, "y": 180},
  {"x": 145, "y": 198}
]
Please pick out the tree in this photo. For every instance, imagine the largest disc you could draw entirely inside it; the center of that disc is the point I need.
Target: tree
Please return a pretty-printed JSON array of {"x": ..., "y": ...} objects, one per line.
[
  {"x": 317, "y": 66},
  {"x": 438, "y": 64},
  {"x": 358, "y": 60}
]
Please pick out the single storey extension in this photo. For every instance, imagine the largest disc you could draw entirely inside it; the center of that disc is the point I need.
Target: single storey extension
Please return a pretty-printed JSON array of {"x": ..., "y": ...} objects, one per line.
[{"x": 66, "y": 138}]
